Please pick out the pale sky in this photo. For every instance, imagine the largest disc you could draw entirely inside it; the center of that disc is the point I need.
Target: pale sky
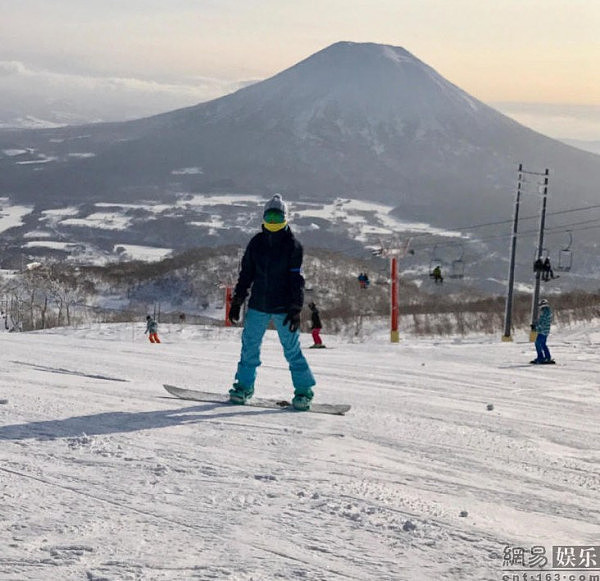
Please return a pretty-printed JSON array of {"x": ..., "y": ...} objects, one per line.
[{"x": 499, "y": 51}]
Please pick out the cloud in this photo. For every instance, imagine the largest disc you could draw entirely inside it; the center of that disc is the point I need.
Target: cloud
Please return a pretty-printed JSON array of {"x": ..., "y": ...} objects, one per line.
[
  {"x": 560, "y": 121},
  {"x": 10, "y": 68},
  {"x": 200, "y": 87},
  {"x": 45, "y": 94}
]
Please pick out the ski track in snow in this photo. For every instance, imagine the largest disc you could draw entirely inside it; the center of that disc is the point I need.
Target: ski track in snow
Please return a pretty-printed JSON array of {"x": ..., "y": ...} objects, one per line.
[{"x": 104, "y": 476}]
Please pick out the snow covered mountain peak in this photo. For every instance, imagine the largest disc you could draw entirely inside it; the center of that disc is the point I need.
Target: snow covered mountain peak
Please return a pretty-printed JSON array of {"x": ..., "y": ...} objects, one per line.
[{"x": 369, "y": 82}]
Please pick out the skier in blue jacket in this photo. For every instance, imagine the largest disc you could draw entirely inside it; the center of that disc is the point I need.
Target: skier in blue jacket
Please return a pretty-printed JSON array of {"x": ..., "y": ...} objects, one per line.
[
  {"x": 271, "y": 267},
  {"x": 542, "y": 327}
]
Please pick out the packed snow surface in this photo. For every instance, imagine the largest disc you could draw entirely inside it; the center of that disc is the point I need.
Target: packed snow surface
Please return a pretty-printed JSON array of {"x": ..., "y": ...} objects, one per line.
[{"x": 453, "y": 450}]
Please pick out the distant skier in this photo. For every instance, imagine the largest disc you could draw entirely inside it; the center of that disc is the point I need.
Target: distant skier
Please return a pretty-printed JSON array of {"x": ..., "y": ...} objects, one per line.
[
  {"x": 152, "y": 330},
  {"x": 271, "y": 265},
  {"x": 542, "y": 327},
  {"x": 363, "y": 280},
  {"x": 8, "y": 323},
  {"x": 437, "y": 275},
  {"x": 316, "y": 326}
]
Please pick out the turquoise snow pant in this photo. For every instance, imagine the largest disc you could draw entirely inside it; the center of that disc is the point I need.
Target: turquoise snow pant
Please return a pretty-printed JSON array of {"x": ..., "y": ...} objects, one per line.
[{"x": 255, "y": 325}]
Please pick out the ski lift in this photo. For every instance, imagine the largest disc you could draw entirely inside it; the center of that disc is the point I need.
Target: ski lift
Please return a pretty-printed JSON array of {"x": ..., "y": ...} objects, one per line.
[
  {"x": 435, "y": 267},
  {"x": 457, "y": 268},
  {"x": 435, "y": 262},
  {"x": 538, "y": 261},
  {"x": 565, "y": 256}
]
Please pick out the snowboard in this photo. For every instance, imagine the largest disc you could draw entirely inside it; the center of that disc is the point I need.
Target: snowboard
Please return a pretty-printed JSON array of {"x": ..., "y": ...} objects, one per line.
[
  {"x": 551, "y": 362},
  {"x": 259, "y": 402}
]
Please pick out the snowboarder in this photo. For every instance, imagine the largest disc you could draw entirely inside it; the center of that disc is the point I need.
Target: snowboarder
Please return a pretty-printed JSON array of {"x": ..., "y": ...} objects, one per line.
[
  {"x": 272, "y": 266},
  {"x": 316, "y": 326},
  {"x": 547, "y": 272},
  {"x": 152, "y": 330},
  {"x": 437, "y": 275},
  {"x": 538, "y": 266},
  {"x": 542, "y": 327}
]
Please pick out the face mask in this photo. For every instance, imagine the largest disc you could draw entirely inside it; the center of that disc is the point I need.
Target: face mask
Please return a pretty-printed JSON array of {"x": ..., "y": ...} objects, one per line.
[{"x": 274, "y": 227}]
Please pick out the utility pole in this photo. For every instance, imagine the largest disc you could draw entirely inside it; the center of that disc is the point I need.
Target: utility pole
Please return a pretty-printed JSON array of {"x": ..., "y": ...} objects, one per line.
[
  {"x": 511, "y": 269},
  {"x": 394, "y": 334},
  {"x": 513, "y": 251},
  {"x": 540, "y": 250}
]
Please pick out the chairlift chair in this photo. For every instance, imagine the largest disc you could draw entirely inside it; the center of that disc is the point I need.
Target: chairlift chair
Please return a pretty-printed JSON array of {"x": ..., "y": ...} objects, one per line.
[
  {"x": 565, "y": 260},
  {"x": 565, "y": 256},
  {"x": 457, "y": 268},
  {"x": 435, "y": 262}
]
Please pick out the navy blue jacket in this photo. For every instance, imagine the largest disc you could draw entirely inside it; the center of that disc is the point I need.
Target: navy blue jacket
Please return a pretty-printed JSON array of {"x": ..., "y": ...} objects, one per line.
[
  {"x": 315, "y": 319},
  {"x": 272, "y": 265}
]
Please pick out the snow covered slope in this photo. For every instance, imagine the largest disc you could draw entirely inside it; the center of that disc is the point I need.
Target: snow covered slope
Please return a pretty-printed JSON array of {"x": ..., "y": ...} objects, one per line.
[{"x": 104, "y": 476}]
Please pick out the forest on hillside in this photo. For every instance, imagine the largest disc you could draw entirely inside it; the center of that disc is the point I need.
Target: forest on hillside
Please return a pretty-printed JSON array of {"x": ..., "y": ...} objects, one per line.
[{"x": 191, "y": 287}]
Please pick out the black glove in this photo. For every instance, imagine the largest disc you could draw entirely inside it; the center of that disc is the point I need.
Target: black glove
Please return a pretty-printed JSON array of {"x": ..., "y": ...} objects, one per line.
[
  {"x": 234, "y": 310},
  {"x": 293, "y": 318}
]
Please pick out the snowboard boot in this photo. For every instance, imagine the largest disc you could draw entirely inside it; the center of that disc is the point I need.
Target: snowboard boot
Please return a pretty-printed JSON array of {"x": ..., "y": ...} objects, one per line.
[
  {"x": 302, "y": 398},
  {"x": 239, "y": 394}
]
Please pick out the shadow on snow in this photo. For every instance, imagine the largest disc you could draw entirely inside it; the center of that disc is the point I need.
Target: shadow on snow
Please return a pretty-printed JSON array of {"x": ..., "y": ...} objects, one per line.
[
  {"x": 119, "y": 422},
  {"x": 63, "y": 371}
]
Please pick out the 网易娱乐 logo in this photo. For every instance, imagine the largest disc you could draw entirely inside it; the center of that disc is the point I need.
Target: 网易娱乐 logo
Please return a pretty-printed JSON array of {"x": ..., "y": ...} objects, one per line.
[{"x": 560, "y": 563}]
